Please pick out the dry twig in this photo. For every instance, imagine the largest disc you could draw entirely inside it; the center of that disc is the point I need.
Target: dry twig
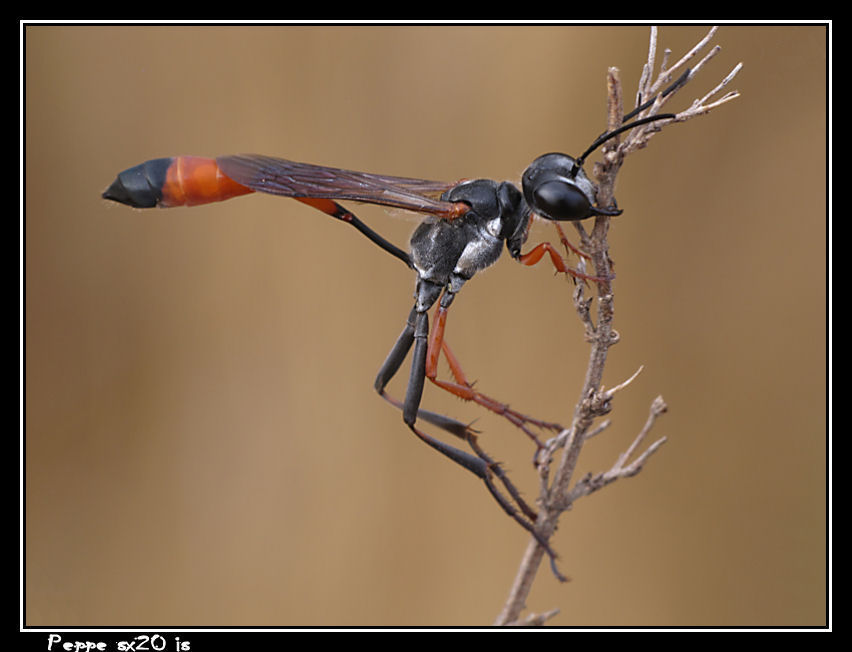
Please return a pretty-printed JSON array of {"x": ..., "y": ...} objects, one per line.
[{"x": 556, "y": 492}]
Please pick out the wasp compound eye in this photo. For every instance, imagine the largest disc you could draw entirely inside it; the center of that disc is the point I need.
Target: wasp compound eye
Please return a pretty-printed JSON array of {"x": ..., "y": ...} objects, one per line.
[{"x": 559, "y": 199}]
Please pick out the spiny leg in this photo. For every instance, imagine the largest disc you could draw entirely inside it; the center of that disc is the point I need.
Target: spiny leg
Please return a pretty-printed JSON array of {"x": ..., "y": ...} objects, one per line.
[
  {"x": 509, "y": 508},
  {"x": 464, "y": 389},
  {"x": 480, "y": 465},
  {"x": 569, "y": 247},
  {"x": 392, "y": 364},
  {"x": 415, "y": 333},
  {"x": 483, "y": 466},
  {"x": 537, "y": 253}
]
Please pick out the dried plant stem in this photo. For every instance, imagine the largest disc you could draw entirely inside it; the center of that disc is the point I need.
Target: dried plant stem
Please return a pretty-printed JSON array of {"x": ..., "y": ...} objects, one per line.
[{"x": 556, "y": 492}]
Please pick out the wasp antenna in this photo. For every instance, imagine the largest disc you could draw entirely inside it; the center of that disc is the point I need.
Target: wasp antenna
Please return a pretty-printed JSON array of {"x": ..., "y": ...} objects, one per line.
[
  {"x": 600, "y": 140},
  {"x": 680, "y": 81}
]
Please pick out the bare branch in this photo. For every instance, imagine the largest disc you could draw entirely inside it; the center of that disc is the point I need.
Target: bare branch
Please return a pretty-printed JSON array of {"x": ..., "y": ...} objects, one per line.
[
  {"x": 595, "y": 402},
  {"x": 591, "y": 483},
  {"x": 536, "y": 620},
  {"x": 665, "y": 75},
  {"x": 598, "y": 429},
  {"x": 658, "y": 407}
]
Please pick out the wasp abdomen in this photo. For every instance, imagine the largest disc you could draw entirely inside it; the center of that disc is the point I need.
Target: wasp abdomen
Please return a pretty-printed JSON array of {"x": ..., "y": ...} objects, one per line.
[{"x": 175, "y": 181}]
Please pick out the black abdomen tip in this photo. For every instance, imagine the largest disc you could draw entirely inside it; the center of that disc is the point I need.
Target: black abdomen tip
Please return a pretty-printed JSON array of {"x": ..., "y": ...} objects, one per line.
[{"x": 140, "y": 186}]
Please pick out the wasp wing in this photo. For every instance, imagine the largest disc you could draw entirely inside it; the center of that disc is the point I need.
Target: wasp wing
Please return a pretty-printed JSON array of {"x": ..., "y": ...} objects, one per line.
[{"x": 278, "y": 176}]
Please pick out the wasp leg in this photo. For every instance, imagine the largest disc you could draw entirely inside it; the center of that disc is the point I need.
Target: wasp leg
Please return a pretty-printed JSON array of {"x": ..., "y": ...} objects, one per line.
[
  {"x": 464, "y": 389},
  {"x": 338, "y": 212},
  {"x": 537, "y": 253},
  {"x": 388, "y": 370},
  {"x": 486, "y": 468},
  {"x": 415, "y": 333},
  {"x": 569, "y": 247}
]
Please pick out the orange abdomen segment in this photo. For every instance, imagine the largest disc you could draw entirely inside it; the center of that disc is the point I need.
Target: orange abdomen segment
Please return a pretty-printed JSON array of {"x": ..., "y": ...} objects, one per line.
[
  {"x": 193, "y": 180},
  {"x": 176, "y": 181}
]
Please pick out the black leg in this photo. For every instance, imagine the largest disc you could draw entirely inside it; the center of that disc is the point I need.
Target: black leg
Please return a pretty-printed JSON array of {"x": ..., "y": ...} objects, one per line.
[
  {"x": 338, "y": 212},
  {"x": 416, "y": 379},
  {"x": 392, "y": 364},
  {"x": 415, "y": 333},
  {"x": 397, "y": 354}
]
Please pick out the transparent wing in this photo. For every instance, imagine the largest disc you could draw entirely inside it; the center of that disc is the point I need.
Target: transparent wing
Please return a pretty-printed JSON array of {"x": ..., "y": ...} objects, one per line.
[{"x": 278, "y": 176}]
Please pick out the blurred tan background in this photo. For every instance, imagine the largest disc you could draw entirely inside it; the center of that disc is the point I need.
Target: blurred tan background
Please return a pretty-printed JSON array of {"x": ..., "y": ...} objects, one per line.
[{"x": 203, "y": 442}]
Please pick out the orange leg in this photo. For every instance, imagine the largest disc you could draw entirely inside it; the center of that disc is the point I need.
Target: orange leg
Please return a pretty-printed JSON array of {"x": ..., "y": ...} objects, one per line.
[
  {"x": 537, "y": 253},
  {"x": 567, "y": 243},
  {"x": 464, "y": 389},
  {"x": 571, "y": 248}
]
